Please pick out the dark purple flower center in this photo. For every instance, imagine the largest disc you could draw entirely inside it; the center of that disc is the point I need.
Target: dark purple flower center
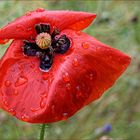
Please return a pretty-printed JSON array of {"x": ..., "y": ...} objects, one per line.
[{"x": 49, "y": 43}]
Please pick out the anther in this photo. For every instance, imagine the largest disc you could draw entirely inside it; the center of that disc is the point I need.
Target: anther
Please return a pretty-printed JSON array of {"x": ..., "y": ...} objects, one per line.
[{"x": 42, "y": 28}]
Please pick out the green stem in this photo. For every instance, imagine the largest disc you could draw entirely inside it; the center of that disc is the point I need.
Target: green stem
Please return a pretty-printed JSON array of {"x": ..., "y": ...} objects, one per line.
[{"x": 42, "y": 132}]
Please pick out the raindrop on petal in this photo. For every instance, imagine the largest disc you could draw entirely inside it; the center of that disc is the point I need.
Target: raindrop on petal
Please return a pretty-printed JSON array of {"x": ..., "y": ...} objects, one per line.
[
  {"x": 78, "y": 92},
  {"x": 40, "y": 10},
  {"x": 64, "y": 116},
  {"x": 12, "y": 111},
  {"x": 43, "y": 102},
  {"x": 44, "y": 95},
  {"x": 15, "y": 92},
  {"x": 34, "y": 109},
  {"x": 75, "y": 62},
  {"x": 19, "y": 27},
  {"x": 85, "y": 45},
  {"x": 21, "y": 81},
  {"x": 5, "y": 103},
  {"x": 25, "y": 117},
  {"x": 7, "y": 83},
  {"x": 78, "y": 33},
  {"x": 28, "y": 14},
  {"x": 68, "y": 86},
  {"x": 66, "y": 77},
  {"x": 91, "y": 76}
]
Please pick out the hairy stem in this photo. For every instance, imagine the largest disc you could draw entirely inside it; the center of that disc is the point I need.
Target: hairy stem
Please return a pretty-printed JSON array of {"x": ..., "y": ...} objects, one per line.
[{"x": 42, "y": 132}]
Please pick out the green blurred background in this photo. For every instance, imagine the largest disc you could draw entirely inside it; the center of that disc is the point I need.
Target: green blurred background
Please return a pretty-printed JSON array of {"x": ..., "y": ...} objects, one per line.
[{"x": 117, "y": 24}]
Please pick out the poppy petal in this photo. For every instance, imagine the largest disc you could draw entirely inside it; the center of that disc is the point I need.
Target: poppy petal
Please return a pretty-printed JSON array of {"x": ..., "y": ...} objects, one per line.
[
  {"x": 23, "y": 27},
  {"x": 76, "y": 78},
  {"x": 4, "y": 41}
]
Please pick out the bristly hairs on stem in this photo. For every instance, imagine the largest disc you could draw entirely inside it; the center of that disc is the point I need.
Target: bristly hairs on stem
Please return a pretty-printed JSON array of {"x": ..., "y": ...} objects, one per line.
[{"x": 42, "y": 131}]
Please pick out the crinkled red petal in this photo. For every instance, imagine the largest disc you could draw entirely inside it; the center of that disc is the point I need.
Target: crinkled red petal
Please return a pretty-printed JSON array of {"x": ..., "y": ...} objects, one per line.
[
  {"x": 24, "y": 27},
  {"x": 75, "y": 79},
  {"x": 4, "y": 41}
]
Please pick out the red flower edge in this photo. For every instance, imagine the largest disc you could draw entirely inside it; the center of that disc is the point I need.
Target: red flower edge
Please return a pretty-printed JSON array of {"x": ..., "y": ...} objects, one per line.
[{"x": 76, "y": 78}]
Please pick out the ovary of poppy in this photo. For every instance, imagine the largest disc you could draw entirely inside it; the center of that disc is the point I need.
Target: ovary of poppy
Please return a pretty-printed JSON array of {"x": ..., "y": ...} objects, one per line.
[{"x": 76, "y": 77}]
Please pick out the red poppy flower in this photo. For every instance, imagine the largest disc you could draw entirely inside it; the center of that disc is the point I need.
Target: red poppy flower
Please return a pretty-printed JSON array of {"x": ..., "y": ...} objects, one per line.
[{"x": 52, "y": 69}]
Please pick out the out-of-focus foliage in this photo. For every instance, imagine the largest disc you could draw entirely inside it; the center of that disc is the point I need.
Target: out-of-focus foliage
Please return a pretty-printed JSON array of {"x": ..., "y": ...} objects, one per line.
[{"x": 117, "y": 113}]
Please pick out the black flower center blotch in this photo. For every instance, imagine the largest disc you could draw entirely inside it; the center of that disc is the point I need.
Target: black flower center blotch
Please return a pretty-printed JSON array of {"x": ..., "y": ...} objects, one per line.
[{"x": 54, "y": 44}]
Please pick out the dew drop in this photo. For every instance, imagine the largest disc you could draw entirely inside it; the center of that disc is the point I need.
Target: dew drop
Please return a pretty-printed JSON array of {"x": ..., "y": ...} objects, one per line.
[
  {"x": 36, "y": 71},
  {"x": 66, "y": 77},
  {"x": 25, "y": 117},
  {"x": 29, "y": 29},
  {"x": 44, "y": 95},
  {"x": 78, "y": 33},
  {"x": 28, "y": 14},
  {"x": 75, "y": 62},
  {"x": 91, "y": 76},
  {"x": 15, "y": 92},
  {"x": 85, "y": 45},
  {"x": 42, "y": 103},
  {"x": 40, "y": 10},
  {"x": 7, "y": 83},
  {"x": 34, "y": 109},
  {"x": 21, "y": 81},
  {"x": 53, "y": 109},
  {"x": 78, "y": 93},
  {"x": 68, "y": 86},
  {"x": 19, "y": 27},
  {"x": 65, "y": 116},
  {"x": 12, "y": 111},
  {"x": 5, "y": 103}
]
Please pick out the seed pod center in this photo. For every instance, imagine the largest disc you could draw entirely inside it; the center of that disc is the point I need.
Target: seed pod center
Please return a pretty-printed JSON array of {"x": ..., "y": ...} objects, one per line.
[{"x": 43, "y": 40}]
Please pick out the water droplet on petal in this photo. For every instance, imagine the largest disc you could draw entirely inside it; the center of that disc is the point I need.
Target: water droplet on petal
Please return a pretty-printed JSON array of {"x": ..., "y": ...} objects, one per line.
[
  {"x": 21, "y": 81},
  {"x": 66, "y": 77},
  {"x": 25, "y": 117},
  {"x": 12, "y": 111},
  {"x": 36, "y": 71},
  {"x": 78, "y": 33},
  {"x": 91, "y": 76},
  {"x": 29, "y": 29},
  {"x": 28, "y": 14},
  {"x": 5, "y": 103},
  {"x": 44, "y": 95},
  {"x": 40, "y": 10},
  {"x": 43, "y": 102},
  {"x": 68, "y": 86},
  {"x": 19, "y": 27},
  {"x": 7, "y": 83},
  {"x": 34, "y": 109},
  {"x": 78, "y": 93},
  {"x": 75, "y": 62},
  {"x": 15, "y": 92},
  {"x": 65, "y": 116},
  {"x": 85, "y": 45}
]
